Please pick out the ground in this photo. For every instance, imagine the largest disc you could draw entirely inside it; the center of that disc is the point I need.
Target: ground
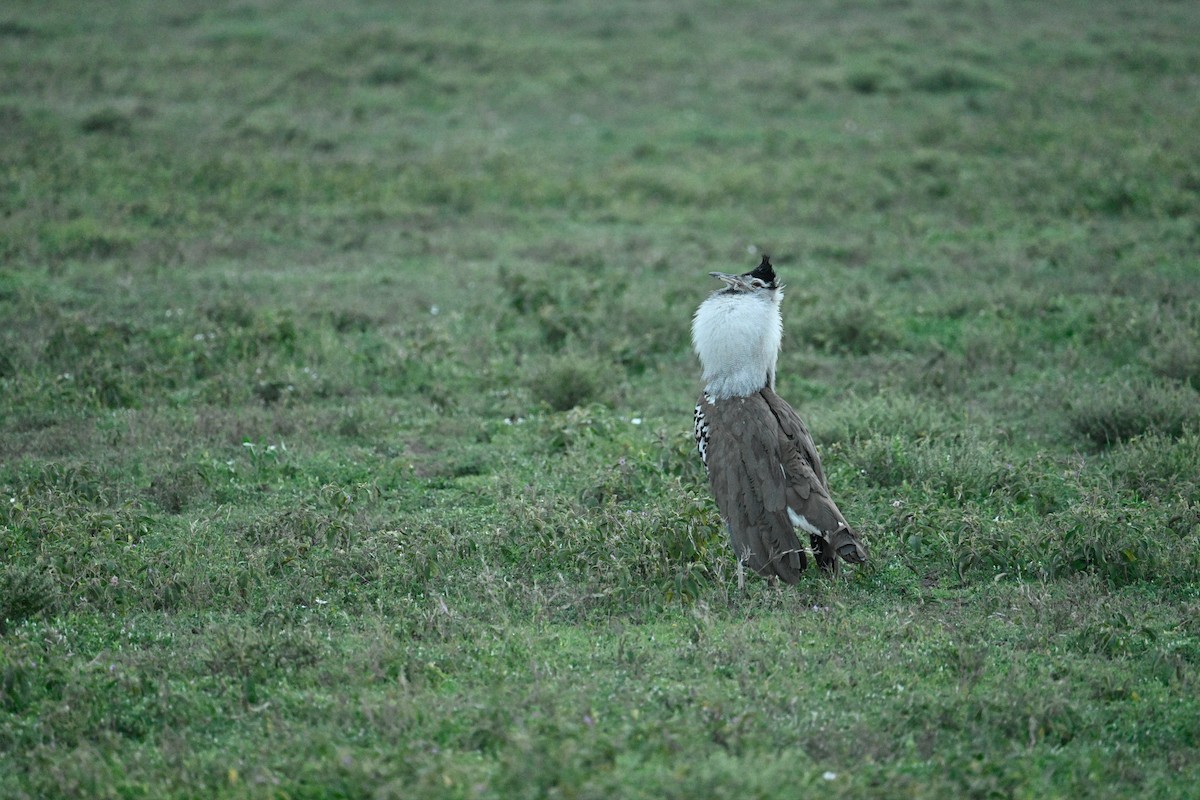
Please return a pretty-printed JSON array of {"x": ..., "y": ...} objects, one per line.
[{"x": 346, "y": 395}]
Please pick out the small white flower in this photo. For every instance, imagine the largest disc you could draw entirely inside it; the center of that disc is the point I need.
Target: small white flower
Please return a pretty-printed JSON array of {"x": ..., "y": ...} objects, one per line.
[
  {"x": 321, "y": 602},
  {"x": 829, "y": 776},
  {"x": 636, "y": 420}
]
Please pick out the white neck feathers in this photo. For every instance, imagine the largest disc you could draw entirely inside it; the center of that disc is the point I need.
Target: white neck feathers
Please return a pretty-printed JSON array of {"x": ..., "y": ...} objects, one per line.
[{"x": 737, "y": 337}]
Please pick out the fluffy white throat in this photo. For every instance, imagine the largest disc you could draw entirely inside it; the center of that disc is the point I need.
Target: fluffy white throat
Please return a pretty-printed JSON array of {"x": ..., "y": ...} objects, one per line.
[{"x": 737, "y": 337}]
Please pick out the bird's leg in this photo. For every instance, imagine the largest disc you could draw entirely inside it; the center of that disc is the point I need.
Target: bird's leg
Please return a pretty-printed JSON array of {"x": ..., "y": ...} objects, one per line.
[{"x": 825, "y": 554}]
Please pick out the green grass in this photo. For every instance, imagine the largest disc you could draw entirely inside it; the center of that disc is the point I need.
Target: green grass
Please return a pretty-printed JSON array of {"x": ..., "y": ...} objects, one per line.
[{"x": 345, "y": 398}]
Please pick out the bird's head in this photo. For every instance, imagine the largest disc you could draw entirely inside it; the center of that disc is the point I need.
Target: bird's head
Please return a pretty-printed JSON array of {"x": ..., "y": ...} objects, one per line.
[
  {"x": 737, "y": 331},
  {"x": 759, "y": 280}
]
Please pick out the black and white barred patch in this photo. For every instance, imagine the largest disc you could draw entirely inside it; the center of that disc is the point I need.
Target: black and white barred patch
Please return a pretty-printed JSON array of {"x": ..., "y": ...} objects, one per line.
[{"x": 700, "y": 432}]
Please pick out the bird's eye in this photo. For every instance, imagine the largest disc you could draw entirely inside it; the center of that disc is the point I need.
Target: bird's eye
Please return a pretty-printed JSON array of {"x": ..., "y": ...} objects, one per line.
[{"x": 757, "y": 283}]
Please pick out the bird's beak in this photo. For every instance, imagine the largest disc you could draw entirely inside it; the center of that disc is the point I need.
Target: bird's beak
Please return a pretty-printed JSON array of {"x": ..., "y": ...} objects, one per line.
[{"x": 733, "y": 281}]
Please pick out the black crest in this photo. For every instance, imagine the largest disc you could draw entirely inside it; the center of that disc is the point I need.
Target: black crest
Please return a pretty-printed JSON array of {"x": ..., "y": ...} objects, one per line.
[{"x": 764, "y": 272}]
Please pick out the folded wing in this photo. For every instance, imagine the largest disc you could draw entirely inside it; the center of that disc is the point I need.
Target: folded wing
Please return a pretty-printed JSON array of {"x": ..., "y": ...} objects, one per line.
[
  {"x": 812, "y": 507},
  {"x": 745, "y": 471}
]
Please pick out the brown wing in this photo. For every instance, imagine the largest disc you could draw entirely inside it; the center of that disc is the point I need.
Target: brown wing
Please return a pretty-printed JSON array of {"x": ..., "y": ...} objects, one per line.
[
  {"x": 808, "y": 490},
  {"x": 746, "y": 473}
]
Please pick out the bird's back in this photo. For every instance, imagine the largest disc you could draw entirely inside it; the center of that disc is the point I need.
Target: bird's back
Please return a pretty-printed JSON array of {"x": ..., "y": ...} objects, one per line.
[{"x": 767, "y": 479}]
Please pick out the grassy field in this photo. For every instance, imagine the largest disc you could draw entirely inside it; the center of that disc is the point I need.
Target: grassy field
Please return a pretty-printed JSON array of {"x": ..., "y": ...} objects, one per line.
[{"x": 346, "y": 394}]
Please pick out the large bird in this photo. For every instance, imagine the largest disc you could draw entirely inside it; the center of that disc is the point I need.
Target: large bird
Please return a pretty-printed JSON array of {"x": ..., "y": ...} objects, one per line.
[{"x": 762, "y": 466}]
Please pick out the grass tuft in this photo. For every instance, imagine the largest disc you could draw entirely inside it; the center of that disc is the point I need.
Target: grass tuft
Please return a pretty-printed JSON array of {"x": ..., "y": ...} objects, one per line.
[
  {"x": 84, "y": 238},
  {"x": 954, "y": 78},
  {"x": 1125, "y": 408},
  {"x": 857, "y": 328},
  {"x": 107, "y": 120},
  {"x": 1175, "y": 354},
  {"x": 566, "y": 381},
  {"x": 25, "y": 591}
]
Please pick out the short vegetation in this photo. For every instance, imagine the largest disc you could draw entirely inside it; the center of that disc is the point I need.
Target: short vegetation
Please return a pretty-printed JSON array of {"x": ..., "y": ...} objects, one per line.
[{"x": 345, "y": 398}]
